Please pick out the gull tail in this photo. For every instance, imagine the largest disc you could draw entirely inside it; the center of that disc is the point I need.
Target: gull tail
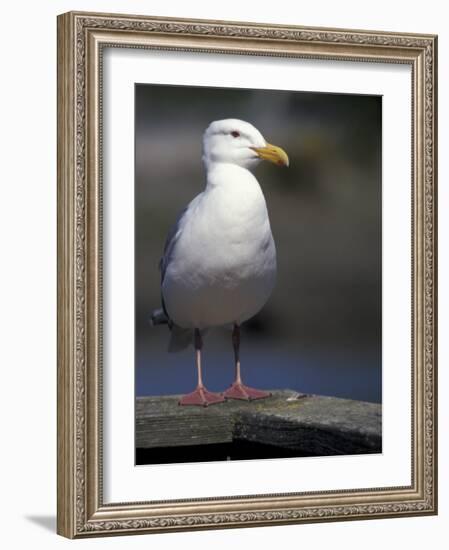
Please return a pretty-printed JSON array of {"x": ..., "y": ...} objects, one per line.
[
  {"x": 159, "y": 317},
  {"x": 180, "y": 338}
]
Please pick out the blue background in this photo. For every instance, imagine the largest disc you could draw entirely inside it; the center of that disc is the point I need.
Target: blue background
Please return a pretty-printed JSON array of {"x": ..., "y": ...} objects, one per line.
[{"x": 320, "y": 332}]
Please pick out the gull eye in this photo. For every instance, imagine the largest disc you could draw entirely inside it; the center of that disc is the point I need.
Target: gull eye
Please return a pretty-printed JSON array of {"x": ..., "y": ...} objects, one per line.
[{"x": 235, "y": 134}]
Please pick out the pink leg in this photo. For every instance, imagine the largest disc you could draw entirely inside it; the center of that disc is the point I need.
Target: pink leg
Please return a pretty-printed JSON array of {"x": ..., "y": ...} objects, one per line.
[
  {"x": 201, "y": 396},
  {"x": 238, "y": 390}
]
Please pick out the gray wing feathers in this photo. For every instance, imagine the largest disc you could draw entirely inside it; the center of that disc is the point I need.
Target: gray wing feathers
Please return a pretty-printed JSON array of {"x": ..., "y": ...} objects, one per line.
[
  {"x": 170, "y": 243},
  {"x": 173, "y": 236},
  {"x": 179, "y": 338}
]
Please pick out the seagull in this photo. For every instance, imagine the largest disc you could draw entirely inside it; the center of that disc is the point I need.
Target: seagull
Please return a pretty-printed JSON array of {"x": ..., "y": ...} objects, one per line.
[{"x": 219, "y": 262}]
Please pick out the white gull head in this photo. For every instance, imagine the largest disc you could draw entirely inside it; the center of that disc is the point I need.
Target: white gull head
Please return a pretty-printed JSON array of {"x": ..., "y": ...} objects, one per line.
[{"x": 233, "y": 141}]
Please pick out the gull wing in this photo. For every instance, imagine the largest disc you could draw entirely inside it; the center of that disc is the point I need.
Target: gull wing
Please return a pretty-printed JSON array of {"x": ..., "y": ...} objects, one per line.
[{"x": 173, "y": 236}]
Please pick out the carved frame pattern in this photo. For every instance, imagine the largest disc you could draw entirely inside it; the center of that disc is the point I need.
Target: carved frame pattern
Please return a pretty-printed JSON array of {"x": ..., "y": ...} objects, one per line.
[{"x": 81, "y": 37}]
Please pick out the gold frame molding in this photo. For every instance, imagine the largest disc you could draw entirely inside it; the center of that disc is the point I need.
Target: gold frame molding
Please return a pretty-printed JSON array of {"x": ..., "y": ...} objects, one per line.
[{"x": 81, "y": 39}]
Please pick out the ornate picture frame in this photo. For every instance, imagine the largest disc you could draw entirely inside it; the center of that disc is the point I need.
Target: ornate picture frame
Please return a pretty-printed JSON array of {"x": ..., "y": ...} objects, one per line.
[{"x": 82, "y": 39}]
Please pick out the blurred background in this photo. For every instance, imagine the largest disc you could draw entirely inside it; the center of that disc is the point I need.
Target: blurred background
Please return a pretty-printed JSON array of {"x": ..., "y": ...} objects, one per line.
[{"x": 320, "y": 332}]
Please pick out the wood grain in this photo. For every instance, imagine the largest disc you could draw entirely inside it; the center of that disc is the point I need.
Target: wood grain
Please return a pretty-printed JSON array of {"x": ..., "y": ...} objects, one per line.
[{"x": 308, "y": 424}]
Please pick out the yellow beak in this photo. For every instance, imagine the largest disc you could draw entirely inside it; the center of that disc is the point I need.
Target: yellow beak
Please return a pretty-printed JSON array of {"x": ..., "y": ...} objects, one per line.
[{"x": 272, "y": 153}]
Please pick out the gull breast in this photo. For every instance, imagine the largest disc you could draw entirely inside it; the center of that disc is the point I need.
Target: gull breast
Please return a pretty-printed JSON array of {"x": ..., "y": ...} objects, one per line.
[{"x": 223, "y": 268}]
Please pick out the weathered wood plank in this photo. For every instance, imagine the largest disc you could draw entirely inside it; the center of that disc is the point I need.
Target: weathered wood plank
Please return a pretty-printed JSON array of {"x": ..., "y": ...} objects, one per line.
[{"x": 308, "y": 424}]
